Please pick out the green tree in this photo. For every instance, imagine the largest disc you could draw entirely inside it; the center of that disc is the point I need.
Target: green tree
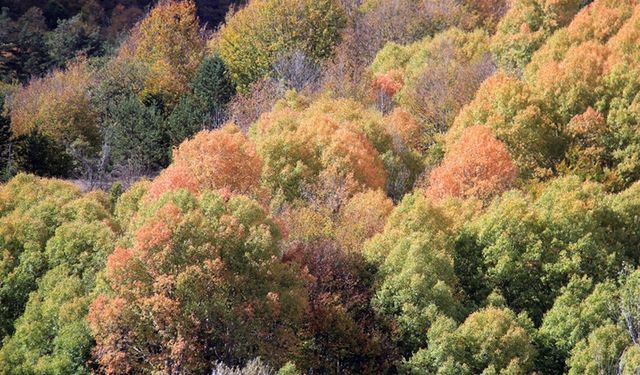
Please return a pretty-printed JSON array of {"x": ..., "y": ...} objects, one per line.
[
  {"x": 599, "y": 353},
  {"x": 52, "y": 335},
  {"x": 580, "y": 308},
  {"x": 73, "y": 36},
  {"x": 137, "y": 137},
  {"x": 490, "y": 341},
  {"x": 416, "y": 278},
  {"x": 253, "y": 39},
  {"x": 6, "y": 144},
  {"x": 42, "y": 225},
  {"x": 206, "y": 105},
  {"x": 532, "y": 248}
]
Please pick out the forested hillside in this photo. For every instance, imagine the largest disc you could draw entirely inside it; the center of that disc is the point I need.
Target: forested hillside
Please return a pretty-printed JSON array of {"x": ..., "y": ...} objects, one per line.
[{"x": 313, "y": 187}]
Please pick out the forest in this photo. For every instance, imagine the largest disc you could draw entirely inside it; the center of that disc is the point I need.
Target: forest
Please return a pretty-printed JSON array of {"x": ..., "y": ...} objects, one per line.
[{"x": 308, "y": 187}]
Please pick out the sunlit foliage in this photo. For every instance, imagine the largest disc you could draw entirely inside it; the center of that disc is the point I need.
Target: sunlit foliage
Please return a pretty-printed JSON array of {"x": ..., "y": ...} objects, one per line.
[
  {"x": 169, "y": 44},
  {"x": 416, "y": 279},
  {"x": 490, "y": 340},
  {"x": 253, "y": 39},
  {"x": 518, "y": 118},
  {"x": 57, "y": 106},
  {"x": 212, "y": 160},
  {"x": 201, "y": 282},
  {"x": 477, "y": 165},
  {"x": 330, "y": 147}
]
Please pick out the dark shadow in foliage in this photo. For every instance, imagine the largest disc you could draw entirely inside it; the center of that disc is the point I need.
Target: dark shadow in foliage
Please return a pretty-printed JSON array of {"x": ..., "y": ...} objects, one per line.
[
  {"x": 6, "y": 145},
  {"x": 72, "y": 37},
  {"x": 469, "y": 267},
  {"x": 346, "y": 335},
  {"x": 136, "y": 136},
  {"x": 22, "y": 49},
  {"x": 38, "y": 154},
  {"x": 205, "y": 107}
]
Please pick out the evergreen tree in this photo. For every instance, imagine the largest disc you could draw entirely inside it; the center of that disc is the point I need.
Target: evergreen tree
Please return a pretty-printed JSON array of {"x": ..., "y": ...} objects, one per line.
[
  {"x": 5, "y": 143},
  {"x": 206, "y": 105},
  {"x": 136, "y": 136}
]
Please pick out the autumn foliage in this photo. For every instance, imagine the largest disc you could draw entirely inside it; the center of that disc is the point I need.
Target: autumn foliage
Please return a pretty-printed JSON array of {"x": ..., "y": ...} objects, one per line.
[
  {"x": 320, "y": 187},
  {"x": 57, "y": 106},
  {"x": 213, "y": 160},
  {"x": 201, "y": 282},
  {"x": 169, "y": 44},
  {"x": 477, "y": 165}
]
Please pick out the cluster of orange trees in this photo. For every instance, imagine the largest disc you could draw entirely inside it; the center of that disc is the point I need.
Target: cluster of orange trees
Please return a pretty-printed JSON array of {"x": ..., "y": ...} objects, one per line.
[{"x": 333, "y": 187}]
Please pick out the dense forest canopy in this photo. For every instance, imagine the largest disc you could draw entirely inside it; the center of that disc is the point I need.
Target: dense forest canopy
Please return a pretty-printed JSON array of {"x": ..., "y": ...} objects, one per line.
[{"x": 320, "y": 187}]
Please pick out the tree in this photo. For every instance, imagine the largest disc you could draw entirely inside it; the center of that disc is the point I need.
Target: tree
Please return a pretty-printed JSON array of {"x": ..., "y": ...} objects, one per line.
[
  {"x": 580, "y": 308},
  {"x": 72, "y": 37},
  {"x": 202, "y": 281},
  {"x": 588, "y": 154},
  {"x": 6, "y": 144},
  {"x": 532, "y": 249},
  {"x": 491, "y": 340},
  {"x": 222, "y": 159},
  {"x": 416, "y": 279},
  {"x": 597, "y": 22},
  {"x": 170, "y": 45},
  {"x": 362, "y": 217},
  {"x": 488, "y": 12},
  {"x": 137, "y": 140},
  {"x": 330, "y": 148},
  {"x": 253, "y": 367},
  {"x": 262, "y": 95},
  {"x": 45, "y": 224},
  {"x": 38, "y": 154},
  {"x": 600, "y": 352},
  {"x": 621, "y": 118},
  {"x": 122, "y": 19},
  {"x": 517, "y": 118},
  {"x": 570, "y": 85},
  {"x": 347, "y": 336},
  {"x": 57, "y": 106},
  {"x": 477, "y": 165},
  {"x": 436, "y": 76},
  {"x": 206, "y": 105},
  {"x": 212, "y": 83},
  {"x": 253, "y": 39},
  {"x": 23, "y": 49},
  {"x": 525, "y": 27},
  {"x": 52, "y": 334}
]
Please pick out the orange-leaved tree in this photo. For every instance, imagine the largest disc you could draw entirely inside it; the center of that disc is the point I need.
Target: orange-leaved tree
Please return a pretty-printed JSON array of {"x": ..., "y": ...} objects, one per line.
[
  {"x": 202, "y": 281},
  {"x": 223, "y": 159},
  {"x": 477, "y": 165}
]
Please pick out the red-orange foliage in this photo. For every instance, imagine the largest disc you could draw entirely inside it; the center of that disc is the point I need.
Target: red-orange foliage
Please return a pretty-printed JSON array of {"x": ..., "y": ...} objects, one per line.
[
  {"x": 390, "y": 82},
  {"x": 626, "y": 43},
  {"x": 222, "y": 159},
  {"x": 572, "y": 85},
  {"x": 406, "y": 130},
  {"x": 202, "y": 281},
  {"x": 600, "y": 20},
  {"x": 351, "y": 150},
  {"x": 477, "y": 165}
]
